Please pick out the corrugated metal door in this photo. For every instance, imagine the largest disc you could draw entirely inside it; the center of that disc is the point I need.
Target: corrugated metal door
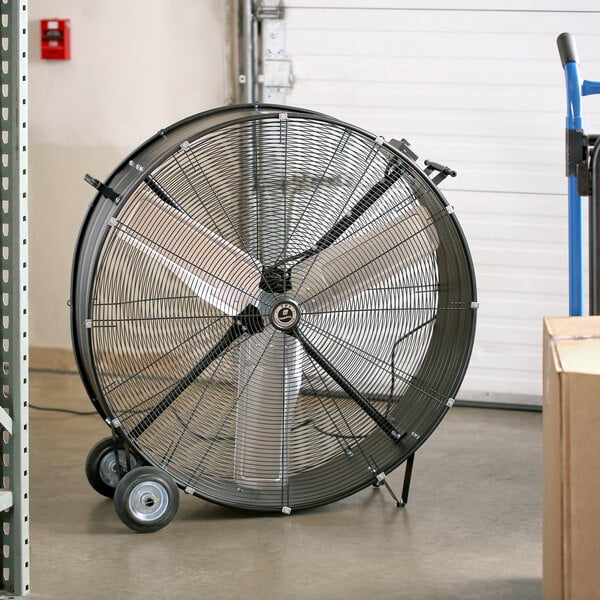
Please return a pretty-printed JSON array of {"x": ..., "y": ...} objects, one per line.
[{"x": 479, "y": 88}]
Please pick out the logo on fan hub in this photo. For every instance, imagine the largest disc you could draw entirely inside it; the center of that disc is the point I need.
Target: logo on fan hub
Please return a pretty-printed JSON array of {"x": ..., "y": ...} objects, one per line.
[{"x": 285, "y": 315}]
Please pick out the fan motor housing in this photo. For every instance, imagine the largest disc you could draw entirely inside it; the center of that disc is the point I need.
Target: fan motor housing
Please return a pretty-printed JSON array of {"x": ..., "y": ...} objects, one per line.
[{"x": 285, "y": 315}]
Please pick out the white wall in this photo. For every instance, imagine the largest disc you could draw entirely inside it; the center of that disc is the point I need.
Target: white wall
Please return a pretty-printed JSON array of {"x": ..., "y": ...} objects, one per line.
[
  {"x": 137, "y": 66},
  {"x": 478, "y": 86}
]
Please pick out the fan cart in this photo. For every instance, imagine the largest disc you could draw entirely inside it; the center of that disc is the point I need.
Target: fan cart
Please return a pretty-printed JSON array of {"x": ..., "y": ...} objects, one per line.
[{"x": 271, "y": 309}]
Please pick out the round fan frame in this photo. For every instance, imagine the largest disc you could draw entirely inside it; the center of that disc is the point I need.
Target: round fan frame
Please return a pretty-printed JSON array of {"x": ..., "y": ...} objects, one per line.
[{"x": 273, "y": 201}]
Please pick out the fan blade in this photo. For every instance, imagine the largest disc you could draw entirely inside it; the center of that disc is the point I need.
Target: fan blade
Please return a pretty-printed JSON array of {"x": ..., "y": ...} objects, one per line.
[
  {"x": 269, "y": 382},
  {"x": 211, "y": 267},
  {"x": 347, "y": 268}
]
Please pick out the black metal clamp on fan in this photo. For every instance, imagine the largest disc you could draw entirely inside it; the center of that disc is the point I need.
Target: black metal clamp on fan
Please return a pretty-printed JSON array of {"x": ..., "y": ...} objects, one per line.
[{"x": 271, "y": 309}]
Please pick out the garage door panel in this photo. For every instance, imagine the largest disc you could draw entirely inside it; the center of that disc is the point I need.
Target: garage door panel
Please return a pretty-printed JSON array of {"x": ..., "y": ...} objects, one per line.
[
  {"x": 403, "y": 95},
  {"x": 482, "y": 90}
]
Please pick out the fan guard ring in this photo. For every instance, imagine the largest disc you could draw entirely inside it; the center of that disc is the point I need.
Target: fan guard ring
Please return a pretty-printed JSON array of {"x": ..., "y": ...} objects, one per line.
[{"x": 272, "y": 306}]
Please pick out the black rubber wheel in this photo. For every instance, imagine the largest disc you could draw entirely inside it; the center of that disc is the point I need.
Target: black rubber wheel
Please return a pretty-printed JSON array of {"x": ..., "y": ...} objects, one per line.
[
  {"x": 104, "y": 468},
  {"x": 146, "y": 499}
]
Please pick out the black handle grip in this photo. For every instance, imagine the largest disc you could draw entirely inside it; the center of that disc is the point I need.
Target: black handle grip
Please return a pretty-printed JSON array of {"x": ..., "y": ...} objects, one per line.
[{"x": 566, "y": 48}]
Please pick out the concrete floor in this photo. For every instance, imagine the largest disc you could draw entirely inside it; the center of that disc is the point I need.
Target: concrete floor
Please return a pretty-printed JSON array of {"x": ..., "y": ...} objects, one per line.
[{"x": 472, "y": 528}]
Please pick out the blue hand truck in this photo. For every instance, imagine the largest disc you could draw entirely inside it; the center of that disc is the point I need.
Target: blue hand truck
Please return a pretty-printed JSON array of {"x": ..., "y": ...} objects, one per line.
[{"x": 583, "y": 172}]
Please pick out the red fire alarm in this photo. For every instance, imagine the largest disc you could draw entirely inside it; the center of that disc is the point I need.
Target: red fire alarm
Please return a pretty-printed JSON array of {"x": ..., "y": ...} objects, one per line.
[{"x": 56, "y": 39}]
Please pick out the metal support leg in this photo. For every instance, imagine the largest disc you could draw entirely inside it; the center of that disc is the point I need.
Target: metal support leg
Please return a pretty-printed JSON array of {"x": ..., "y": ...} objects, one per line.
[
  {"x": 380, "y": 479},
  {"x": 407, "y": 477}
]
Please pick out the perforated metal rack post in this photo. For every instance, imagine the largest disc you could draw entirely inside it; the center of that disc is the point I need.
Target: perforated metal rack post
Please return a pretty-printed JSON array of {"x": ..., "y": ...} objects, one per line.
[{"x": 14, "y": 493}]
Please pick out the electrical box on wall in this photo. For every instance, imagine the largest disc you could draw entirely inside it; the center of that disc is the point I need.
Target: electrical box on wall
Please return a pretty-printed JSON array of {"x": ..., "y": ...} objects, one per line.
[{"x": 56, "y": 39}]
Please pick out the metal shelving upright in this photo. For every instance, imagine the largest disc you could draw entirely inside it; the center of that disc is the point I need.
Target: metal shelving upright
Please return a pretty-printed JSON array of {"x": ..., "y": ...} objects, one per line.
[{"x": 14, "y": 400}]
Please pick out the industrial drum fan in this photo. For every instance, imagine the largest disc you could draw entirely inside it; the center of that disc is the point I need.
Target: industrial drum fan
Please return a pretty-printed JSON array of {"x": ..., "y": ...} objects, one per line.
[{"x": 271, "y": 309}]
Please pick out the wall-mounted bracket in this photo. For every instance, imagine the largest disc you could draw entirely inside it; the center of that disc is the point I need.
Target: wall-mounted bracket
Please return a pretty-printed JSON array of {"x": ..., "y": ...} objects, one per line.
[{"x": 275, "y": 75}]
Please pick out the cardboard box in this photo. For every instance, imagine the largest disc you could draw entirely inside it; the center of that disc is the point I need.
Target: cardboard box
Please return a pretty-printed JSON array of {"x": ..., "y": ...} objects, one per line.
[{"x": 571, "y": 434}]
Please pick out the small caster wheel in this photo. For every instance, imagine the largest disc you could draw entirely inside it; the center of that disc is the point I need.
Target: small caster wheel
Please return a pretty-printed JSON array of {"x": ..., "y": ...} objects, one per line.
[
  {"x": 146, "y": 499},
  {"x": 104, "y": 467}
]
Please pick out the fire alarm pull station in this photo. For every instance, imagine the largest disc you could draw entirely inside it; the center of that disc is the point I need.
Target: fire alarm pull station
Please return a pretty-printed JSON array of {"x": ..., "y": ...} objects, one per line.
[{"x": 56, "y": 39}]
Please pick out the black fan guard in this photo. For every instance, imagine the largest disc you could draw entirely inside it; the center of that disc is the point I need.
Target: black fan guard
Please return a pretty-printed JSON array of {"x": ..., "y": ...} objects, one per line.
[{"x": 364, "y": 350}]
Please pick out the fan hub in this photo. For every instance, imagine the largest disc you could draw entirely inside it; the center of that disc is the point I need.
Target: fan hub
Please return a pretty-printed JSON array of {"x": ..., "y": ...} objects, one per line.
[{"x": 285, "y": 315}]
